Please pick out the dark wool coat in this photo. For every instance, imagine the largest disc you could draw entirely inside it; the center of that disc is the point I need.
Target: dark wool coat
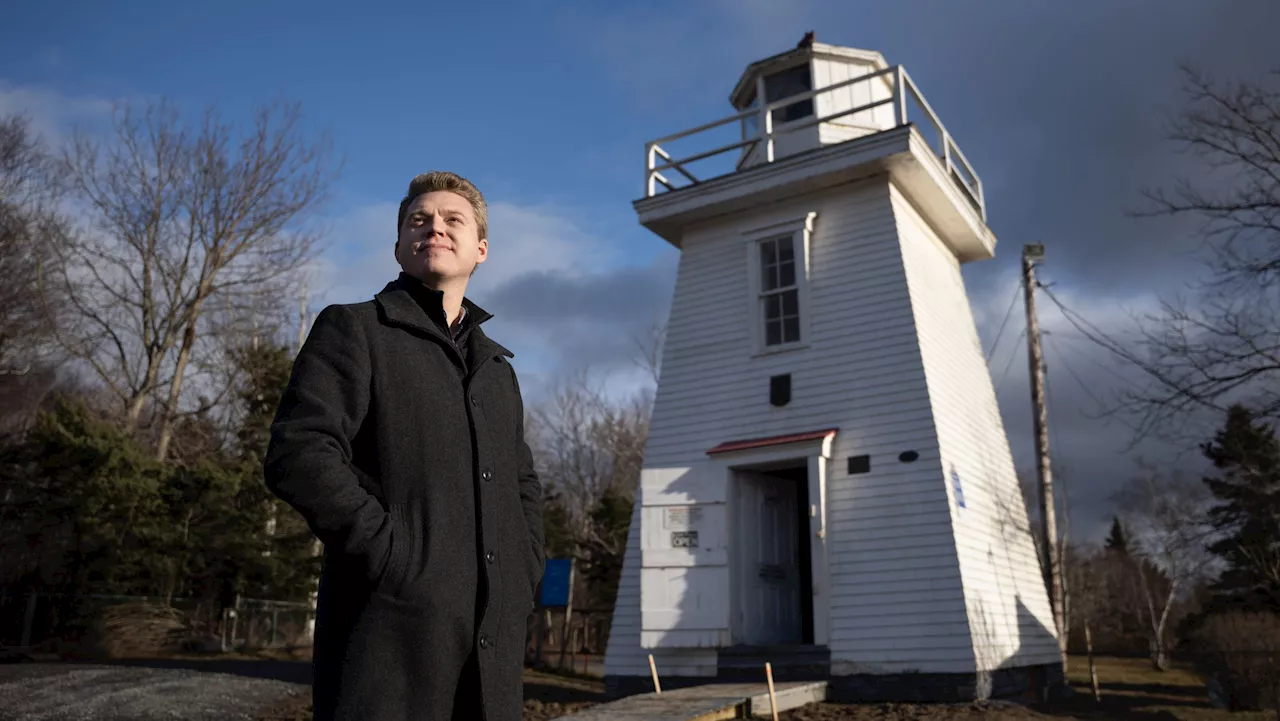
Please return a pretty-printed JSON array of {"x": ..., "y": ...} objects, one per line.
[{"x": 405, "y": 453}]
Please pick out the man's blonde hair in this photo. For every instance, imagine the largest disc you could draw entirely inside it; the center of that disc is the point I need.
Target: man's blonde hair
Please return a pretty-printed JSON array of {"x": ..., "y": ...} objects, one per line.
[{"x": 443, "y": 180}]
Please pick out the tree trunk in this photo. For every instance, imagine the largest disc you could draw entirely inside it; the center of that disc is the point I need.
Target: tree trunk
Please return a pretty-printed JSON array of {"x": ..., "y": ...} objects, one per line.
[
  {"x": 175, "y": 390},
  {"x": 1156, "y": 644}
]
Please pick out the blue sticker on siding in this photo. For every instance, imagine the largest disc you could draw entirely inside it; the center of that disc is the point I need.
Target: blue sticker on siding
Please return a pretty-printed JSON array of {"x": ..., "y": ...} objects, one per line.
[{"x": 955, "y": 484}]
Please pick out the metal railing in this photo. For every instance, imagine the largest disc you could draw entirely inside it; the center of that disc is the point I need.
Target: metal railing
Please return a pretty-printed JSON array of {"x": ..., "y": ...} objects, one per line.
[{"x": 957, "y": 166}]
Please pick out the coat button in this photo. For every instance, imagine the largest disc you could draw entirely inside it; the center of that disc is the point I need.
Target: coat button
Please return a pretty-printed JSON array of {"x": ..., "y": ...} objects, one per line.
[
  {"x": 484, "y": 642},
  {"x": 489, "y": 556},
  {"x": 487, "y": 475}
]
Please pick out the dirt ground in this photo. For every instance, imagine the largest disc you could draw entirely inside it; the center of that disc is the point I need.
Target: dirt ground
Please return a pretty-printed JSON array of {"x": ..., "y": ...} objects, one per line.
[
  {"x": 911, "y": 712},
  {"x": 1130, "y": 689}
]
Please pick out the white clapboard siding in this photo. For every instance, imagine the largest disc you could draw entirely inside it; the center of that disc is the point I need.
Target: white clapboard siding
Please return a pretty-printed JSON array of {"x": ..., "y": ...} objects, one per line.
[
  {"x": 832, "y": 71},
  {"x": 861, "y": 373},
  {"x": 623, "y": 655},
  {"x": 997, "y": 559}
]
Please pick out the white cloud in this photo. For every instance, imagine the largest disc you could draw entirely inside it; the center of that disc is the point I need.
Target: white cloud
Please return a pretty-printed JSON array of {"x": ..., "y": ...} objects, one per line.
[
  {"x": 526, "y": 243},
  {"x": 522, "y": 240},
  {"x": 52, "y": 113}
]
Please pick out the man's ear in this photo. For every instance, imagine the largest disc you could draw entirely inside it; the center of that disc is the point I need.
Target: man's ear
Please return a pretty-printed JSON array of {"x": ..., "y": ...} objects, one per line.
[{"x": 483, "y": 250}]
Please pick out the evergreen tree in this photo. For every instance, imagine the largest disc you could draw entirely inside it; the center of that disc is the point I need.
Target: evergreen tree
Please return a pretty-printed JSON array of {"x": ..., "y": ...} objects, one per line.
[
  {"x": 1246, "y": 517},
  {"x": 559, "y": 541},
  {"x": 1117, "y": 541},
  {"x": 605, "y": 544},
  {"x": 288, "y": 569},
  {"x": 86, "y": 498}
]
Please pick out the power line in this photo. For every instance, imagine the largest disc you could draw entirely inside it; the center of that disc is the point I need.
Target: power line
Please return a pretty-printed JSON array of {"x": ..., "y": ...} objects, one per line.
[
  {"x": 1012, "y": 355},
  {"x": 1083, "y": 386},
  {"x": 1012, "y": 302},
  {"x": 1081, "y": 324},
  {"x": 1098, "y": 338}
]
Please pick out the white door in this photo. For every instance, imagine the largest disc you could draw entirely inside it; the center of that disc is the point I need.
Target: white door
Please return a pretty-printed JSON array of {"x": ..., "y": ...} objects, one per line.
[{"x": 768, "y": 560}]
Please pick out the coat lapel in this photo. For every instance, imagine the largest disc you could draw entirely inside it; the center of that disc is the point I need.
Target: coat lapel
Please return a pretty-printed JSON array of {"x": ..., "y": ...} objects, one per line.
[
  {"x": 399, "y": 308},
  {"x": 484, "y": 347}
]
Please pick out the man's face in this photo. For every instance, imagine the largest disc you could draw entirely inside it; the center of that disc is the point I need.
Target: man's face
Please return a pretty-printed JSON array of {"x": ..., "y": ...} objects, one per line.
[{"x": 439, "y": 240}]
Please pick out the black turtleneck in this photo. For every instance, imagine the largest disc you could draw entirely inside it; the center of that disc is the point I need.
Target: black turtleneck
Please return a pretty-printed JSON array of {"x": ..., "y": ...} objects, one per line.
[{"x": 432, "y": 303}]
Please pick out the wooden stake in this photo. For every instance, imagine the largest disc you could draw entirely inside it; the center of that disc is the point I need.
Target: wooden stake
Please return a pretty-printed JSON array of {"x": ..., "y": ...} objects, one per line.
[
  {"x": 1093, "y": 672},
  {"x": 654, "y": 670},
  {"x": 773, "y": 699}
]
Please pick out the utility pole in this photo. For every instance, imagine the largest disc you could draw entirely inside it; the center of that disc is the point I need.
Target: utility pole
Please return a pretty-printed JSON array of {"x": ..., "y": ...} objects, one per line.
[
  {"x": 302, "y": 316},
  {"x": 1048, "y": 515}
]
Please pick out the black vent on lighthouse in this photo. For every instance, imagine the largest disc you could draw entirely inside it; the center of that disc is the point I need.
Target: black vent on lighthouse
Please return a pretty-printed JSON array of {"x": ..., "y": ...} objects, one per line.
[{"x": 780, "y": 389}]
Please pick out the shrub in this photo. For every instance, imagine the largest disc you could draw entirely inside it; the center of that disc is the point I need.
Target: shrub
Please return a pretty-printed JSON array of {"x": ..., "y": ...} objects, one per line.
[
  {"x": 1239, "y": 655},
  {"x": 138, "y": 629}
]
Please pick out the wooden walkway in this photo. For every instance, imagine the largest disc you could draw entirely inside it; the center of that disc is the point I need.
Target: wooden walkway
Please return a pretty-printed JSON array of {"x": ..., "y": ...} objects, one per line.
[{"x": 705, "y": 703}]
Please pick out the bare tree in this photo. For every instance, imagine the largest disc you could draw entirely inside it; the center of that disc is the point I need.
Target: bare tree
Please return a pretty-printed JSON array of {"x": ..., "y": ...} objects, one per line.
[
  {"x": 186, "y": 227},
  {"x": 649, "y": 347},
  {"x": 30, "y": 227},
  {"x": 1165, "y": 515},
  {"x": 1197, "y": 356},
  {"x": 589, "y": 445}
]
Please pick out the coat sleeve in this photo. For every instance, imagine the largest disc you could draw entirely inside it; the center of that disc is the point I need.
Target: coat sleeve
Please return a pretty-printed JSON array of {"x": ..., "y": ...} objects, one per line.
[
  {"x": 530, "y": 488},
  {"x": 308, "y": 462}
]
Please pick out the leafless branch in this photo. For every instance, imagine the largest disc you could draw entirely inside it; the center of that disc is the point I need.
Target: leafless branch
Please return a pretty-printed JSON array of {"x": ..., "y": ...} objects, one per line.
[
  {"x": 31, "y": 225},
  {"x": 182, "y": 217},
  {"x": 1195, "y": 358}
]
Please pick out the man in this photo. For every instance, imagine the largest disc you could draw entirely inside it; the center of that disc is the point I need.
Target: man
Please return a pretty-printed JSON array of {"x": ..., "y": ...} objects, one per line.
[{"x": 400, "y": 439}]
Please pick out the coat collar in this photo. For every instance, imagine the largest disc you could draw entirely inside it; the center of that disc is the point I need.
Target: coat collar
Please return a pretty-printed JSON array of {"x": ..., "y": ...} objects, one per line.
[{"x": 399, "y": 308}]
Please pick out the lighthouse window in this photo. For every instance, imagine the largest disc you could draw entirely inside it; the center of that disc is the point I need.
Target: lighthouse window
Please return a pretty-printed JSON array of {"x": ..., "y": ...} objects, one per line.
[
  {"x": 786, "y": 83},
  {"x": 778, "y": 302},
  {"x": 779, "y": 293}
]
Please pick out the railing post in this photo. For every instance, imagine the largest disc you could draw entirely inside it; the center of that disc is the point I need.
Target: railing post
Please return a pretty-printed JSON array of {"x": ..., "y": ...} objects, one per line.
[
  {"x": 768, "y": 135},
  {"x": 946, "y": 150},
  {"x": 899, "y": 95},
  {"x": 766, "y": 120},
  {"x": 650, "y": 157}
]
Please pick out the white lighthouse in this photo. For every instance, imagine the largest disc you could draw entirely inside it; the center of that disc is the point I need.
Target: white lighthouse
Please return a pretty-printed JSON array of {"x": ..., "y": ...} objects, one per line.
[{"x": 827, "y": 484}]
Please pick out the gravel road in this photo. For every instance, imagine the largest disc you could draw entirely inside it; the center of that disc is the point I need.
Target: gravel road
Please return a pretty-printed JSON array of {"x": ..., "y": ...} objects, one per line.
[{"x": 87, "y": 692}]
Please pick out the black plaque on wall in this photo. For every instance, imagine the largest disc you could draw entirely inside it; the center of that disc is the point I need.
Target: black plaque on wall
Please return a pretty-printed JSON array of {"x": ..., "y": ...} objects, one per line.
[
  {"x": 859, "y": 464},
  {"x": 780, "y": 389}
]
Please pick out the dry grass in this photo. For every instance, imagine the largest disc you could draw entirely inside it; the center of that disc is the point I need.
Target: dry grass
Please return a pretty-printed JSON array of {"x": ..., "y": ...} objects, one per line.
[
  {"x": 137, "y": 629},
  {"x": 1131, "y": 688}
]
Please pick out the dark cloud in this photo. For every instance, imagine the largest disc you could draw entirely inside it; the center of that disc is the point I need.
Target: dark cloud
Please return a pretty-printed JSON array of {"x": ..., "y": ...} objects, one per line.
[
  {"x": 1060, "y": 106},
  {"x": 588, "y": 320},
  {"x": 1089, "y": 450},
  {"x": 626, "y": 296}
]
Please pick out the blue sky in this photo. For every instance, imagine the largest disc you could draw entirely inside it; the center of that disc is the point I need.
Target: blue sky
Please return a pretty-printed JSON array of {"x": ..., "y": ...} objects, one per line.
[{"x": 546, "y": 106}]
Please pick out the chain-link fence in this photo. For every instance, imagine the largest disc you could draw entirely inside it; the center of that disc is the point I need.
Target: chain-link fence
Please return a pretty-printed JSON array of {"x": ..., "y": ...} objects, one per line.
[
  {"x": 579, "y": 647},
  {"x": 129, "y": 625},
  {"x": 257, "y": 623}
]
